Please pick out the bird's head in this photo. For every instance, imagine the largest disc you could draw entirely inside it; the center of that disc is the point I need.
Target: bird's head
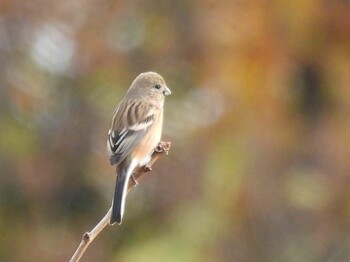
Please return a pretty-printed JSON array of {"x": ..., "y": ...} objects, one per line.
[{"x": 149, "y": 85}]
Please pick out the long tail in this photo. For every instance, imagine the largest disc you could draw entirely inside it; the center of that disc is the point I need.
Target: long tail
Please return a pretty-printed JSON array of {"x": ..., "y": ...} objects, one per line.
[{"x": 124, "y": 171}]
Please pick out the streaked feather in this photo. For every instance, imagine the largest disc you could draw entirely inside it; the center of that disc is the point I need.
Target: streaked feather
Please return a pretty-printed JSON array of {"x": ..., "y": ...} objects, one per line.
[{"x": 130, "y": 123}]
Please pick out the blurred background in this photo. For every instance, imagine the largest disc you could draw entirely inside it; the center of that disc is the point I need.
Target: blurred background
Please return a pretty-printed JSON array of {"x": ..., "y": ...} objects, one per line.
[{"x": 259, "y": 167}]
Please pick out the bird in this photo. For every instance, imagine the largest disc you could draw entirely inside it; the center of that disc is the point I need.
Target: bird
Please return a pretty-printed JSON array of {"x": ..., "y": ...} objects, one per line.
[{"x": 135, "y": 131}]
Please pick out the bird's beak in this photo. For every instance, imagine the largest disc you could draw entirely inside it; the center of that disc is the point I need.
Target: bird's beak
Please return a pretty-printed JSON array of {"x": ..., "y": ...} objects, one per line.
[{"x": 167, "y": 91}]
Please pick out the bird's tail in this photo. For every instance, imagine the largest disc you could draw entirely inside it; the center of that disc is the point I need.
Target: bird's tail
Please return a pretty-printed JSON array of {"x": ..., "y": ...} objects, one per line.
[{"x": 124, "y": 171}]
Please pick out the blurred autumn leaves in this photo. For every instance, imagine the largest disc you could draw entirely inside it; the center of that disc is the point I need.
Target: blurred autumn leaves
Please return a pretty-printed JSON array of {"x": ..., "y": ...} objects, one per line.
[{"x": 259, "y": 122}]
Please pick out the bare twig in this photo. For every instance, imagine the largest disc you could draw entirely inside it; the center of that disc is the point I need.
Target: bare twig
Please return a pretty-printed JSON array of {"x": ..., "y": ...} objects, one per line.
[{"x": 88, "y": 237}]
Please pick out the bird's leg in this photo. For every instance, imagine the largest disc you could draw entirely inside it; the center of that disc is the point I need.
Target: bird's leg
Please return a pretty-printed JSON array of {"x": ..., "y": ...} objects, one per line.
[
  {"x": 145, "y": 168},
  {"x": 162, "y": 147}
]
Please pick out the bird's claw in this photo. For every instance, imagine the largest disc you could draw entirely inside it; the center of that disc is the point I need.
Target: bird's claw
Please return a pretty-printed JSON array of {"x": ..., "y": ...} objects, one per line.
[{"x": 163, "y": 147}]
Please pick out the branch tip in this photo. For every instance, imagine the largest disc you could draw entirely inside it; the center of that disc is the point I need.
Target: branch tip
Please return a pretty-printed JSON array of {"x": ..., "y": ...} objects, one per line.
[{"x": 163, "y": 147}]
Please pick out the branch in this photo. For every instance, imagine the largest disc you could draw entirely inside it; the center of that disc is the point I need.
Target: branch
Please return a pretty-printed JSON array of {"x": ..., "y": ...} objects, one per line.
[{"x": 88, "y": 237}]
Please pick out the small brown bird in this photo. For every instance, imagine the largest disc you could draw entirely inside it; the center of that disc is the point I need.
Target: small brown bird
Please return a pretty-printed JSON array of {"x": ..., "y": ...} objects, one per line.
[{"x": 135, "y": 131}]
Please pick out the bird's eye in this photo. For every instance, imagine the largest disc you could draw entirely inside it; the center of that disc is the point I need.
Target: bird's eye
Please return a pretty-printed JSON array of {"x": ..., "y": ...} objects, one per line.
[{"x": 157, "y": 86}]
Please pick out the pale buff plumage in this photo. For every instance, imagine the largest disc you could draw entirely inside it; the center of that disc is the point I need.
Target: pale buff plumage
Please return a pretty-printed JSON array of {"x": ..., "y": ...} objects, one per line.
[{"x": 135, "y": 131}]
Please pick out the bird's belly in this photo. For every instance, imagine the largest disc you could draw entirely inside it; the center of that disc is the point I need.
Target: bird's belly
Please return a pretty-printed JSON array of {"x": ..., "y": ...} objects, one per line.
[{"x": 149, "y": 143}]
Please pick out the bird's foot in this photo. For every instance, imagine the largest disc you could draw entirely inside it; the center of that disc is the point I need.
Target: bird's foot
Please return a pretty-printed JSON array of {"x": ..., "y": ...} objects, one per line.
[{"x": 163, "y": 147}]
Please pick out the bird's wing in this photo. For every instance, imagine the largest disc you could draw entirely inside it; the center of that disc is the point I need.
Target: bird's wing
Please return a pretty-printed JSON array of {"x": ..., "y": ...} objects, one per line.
[{"x": 131, "y": 121}]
